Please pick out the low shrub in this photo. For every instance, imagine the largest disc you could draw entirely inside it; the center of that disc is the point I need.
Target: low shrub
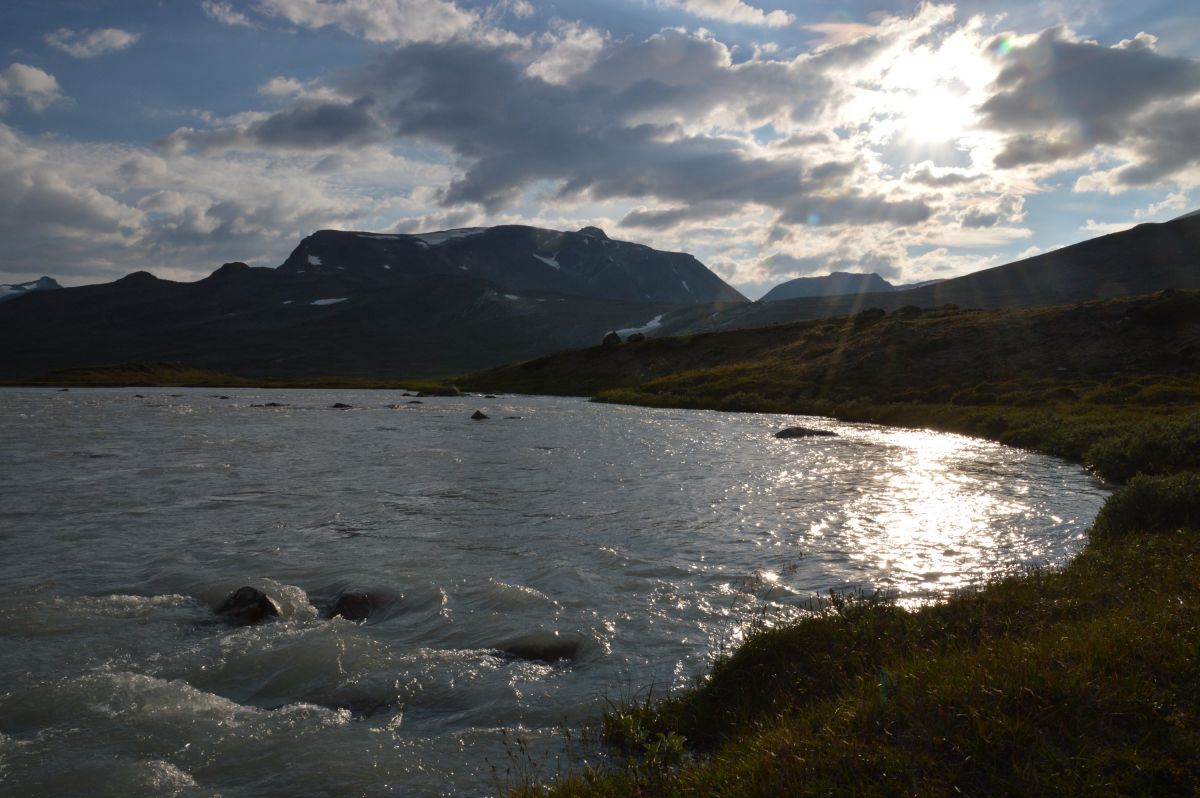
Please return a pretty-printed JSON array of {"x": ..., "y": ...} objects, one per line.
[{"x": 1152, "y": 504}]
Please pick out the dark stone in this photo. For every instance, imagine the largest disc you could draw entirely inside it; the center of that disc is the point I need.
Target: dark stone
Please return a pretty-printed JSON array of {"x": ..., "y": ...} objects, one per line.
[
  {"x": 61, "y": 390},
  {"x": 416, "y": 402},
  {"x": 340, "y": 406},
  {"x": 633, "y": 339},
  {"x": 246, "y": 606},
  {"x": 478, "y": 415},
  {"x": 138, "y": 396},
  {"x": 272, "y": 404},
  {"x": 489, "y": 396},
  {"x": 512, "y": 418},
  {"x": 612, "y": 339},
  {"x": 542, "y": 648},
  {"x": 353, "y": 606},
  {"x": 805, "y": 432}
]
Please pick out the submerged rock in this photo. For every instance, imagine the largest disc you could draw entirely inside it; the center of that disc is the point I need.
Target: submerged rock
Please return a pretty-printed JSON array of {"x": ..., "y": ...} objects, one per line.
[
  {"x": 544, "y": 647},
  {"x": 353, "y": 606},
  {"x": 478, "y": 415},
  {"x": 805, "y": 432},
  {"x": 246, "y": 606}
]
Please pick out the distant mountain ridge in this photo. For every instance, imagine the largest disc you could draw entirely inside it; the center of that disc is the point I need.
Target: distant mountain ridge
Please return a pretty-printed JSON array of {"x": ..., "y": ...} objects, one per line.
[
  {"x": 1146, "y": 258},
  {"x": 834, "y": 284},
  {"x": 366, "y": 304},
  {"x": 18, "y": 290}
]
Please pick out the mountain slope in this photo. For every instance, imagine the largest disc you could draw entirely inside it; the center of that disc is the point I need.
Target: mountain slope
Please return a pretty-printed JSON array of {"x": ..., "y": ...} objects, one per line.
[
  {"x": 834, "y": 284},
  {"x": 1149, "y": 257},
  {"x": 18, "y": 290},
  {"x": 360, "y": 304},
  {"x": 584, "y": 263}
]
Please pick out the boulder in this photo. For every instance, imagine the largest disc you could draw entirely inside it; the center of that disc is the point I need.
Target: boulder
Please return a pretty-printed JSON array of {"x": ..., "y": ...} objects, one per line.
[
  {"x": 542, "y": 647},
  {"x": 478, "y": 415},
  {"x": 805, "y": 432},
  {"x": 353, "y": 606},
  {"x": 341, "y": 406},
  {"x": 246, "y": 606}
]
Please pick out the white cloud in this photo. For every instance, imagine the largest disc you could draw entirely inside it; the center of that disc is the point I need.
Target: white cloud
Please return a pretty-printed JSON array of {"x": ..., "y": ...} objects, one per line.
[
  {"x": 91, "y": 43},
  {"x": 1176, "y": 201},
  {"x": 1105, "y": 228},
  {"x": 397, "y": 21},
  {"x": 37, "y": 88},
  {"x": 734, "y": 11},
  {"x": 571, "y": 48},
  {"x": 226, "y": 14}
]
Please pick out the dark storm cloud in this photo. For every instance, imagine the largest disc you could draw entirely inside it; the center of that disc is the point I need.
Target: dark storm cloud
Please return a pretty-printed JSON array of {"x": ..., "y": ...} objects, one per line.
[
  {"x": 1168, "y": 141},
  {"x": 305, "y": 126},
  {"x": 594, "y": 136},
  {"x": 1060, "y": 98}
]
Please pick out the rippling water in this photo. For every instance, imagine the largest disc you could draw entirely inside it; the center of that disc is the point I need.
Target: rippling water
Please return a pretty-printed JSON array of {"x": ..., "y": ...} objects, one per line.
[{"x": 651, "y": 537}]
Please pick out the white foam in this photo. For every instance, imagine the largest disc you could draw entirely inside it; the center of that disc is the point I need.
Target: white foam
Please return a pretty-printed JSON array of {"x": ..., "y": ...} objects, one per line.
[
  {"x": 550, "y": 261},
  {"x": 511, "y": 296},
  {"x": 387, "y": 266},
  {"x": 329, "y": 301},
  {"x": 314, "y": 260}
]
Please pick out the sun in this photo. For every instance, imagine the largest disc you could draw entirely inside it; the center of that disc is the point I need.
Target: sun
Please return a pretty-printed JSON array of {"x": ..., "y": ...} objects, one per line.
[{"x": 934, "y": 115}]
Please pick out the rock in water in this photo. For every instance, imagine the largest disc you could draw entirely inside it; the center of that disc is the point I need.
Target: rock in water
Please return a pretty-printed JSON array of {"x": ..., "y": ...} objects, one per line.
[
  {"x": 478, "y": 415},
  {"x": 246, "y": 606},
  {"x": 341, "y": 406},
  {"x": 805, "y": 432},
  {"x": 542, "y": 647},
  {"x": 353, "y": 606}
]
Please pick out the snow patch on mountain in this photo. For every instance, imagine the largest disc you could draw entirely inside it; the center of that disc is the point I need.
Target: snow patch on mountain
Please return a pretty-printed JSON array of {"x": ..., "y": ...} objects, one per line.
[
  {"x": 645, "y": 328},
  {"x": 442, "y": 236},
  {"x": 329, "y": 301},
  {"x": 551, "y": 261},
  {"x": 314, "y": 260}
]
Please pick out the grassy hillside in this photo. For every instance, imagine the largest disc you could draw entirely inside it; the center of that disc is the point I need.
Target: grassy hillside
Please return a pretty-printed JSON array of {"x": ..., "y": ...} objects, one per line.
[{"x": 1074, "y": 682}]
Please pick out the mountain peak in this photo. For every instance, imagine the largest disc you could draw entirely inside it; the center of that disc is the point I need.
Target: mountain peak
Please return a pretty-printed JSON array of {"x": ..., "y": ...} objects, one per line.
[{"x": 586, "y": 263}]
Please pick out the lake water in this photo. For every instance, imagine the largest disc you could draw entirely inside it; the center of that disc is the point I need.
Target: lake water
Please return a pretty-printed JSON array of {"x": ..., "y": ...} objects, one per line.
[{"x": 651, "y": 538}]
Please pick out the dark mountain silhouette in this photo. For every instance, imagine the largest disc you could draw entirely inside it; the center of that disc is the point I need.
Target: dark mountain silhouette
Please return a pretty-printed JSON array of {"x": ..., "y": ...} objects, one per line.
[
  {"x": 17, "y": 290},
  {"x": 1146, "y": 258},
  {"x": 365, "y": 304},
  {"x": 835, "y": 284}
]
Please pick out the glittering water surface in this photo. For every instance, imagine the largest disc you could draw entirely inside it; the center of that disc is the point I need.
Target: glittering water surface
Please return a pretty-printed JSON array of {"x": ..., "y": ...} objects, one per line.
[{"x": 649, "y": 537}]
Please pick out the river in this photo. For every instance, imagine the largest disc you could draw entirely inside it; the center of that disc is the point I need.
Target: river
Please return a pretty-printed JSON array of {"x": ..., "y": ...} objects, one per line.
[{"x": 646, "y": 539}]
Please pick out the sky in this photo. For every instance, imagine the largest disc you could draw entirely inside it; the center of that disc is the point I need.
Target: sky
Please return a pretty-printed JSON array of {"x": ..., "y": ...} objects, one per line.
[{"x": 770, "y": 139}]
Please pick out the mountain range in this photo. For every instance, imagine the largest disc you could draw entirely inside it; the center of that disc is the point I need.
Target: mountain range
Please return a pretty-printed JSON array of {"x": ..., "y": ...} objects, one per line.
[
  {"x": 372, "y": 305},
  {"x": 366, "y": 304},
  {"x": 1148, "y": 257}
]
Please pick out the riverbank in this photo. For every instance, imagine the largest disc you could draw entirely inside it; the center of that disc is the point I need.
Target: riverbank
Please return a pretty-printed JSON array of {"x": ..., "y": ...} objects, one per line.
[{"x": 1073, "y": 682}]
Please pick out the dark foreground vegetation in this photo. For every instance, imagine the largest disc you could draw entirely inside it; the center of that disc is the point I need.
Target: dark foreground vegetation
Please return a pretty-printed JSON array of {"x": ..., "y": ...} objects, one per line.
[{"x": 1084, "y": 681}]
